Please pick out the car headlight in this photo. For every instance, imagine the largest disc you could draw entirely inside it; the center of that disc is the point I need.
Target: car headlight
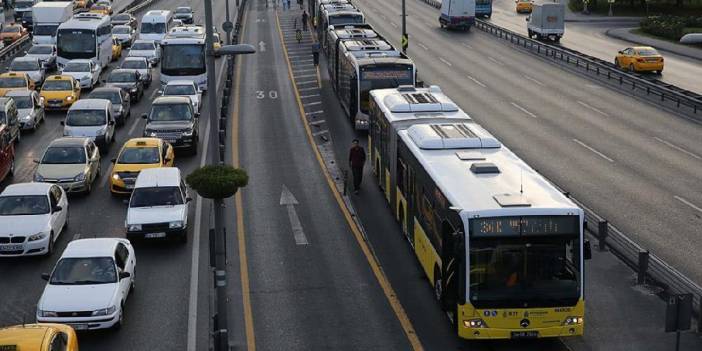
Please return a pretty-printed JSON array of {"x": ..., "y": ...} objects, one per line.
[
  {"x": 573, "y": 320},
  {"x": 38, "y": 178},
  {"x": 188, "y": 133},
  {"x": 175, "y": 224},
  {"x": 134, "y": 227},
  {"x": 80, "y": 177},
  {"x": 133, "y": 90},
  {"x": 152, "y": 134},
  {"x": 26, "y": 118},
  {"x": 37, "y": 236},
  {"x": 69, "y": 98},
  {"x": 43, "y": 313},
  {"x": 115, "y": 176},
  {"x": 474, "y": 323},
  {"x": 105, "y": 311}
]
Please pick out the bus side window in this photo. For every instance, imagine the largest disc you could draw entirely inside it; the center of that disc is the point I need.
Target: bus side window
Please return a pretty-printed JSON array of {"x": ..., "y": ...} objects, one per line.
[{"x": 402, "y": 175}]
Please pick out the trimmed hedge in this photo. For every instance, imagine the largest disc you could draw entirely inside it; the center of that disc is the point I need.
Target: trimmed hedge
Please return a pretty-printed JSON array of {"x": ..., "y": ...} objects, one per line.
[
  {"x": 217, "y": 181},
  {"x": 670, "y": 27}
]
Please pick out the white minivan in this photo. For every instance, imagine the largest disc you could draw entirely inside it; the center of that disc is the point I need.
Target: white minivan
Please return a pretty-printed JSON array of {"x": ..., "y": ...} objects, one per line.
[{"x": 155, "y": 24}]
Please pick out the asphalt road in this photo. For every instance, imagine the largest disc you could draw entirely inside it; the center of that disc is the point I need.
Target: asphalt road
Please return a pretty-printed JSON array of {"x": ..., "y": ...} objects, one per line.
[
  {"x": 638, "y": 166},
  {"x": 590, "y": 39},
  {"x": 156, "y": 316}
]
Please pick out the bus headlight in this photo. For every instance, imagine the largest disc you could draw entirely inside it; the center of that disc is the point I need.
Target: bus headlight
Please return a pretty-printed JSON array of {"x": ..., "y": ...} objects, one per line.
[
  {"x": 573, "y": 320},
  {"x": 474, "y": 323}
]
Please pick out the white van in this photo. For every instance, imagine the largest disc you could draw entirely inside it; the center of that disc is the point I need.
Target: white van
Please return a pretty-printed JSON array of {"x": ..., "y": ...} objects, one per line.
[{"x": 155, "y": 24}]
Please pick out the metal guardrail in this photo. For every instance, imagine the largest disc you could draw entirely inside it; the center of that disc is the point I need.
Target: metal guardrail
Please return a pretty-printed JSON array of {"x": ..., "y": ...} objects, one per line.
[
  {"x": 652, "y": 90},
  {"x": 650, "y": 268}
]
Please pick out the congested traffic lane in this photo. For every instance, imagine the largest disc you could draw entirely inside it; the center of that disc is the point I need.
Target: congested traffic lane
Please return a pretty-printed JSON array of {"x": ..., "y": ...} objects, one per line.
[
  {"x": 629, "y": 161},
  {"x": 156, "y": 316},
  {"x": 590, "y": 39}
]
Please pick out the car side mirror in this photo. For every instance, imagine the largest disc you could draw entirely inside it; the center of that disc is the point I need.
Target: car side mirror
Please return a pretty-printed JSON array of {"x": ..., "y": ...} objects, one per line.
[
  {"x": 63, "y": 123},
  {"x": 56, "y": 209},
  {"x": 144, "y": 116},
  {"x": 167, "y": 159},
  {"x": 620, "y": 52},
  {"x": 111, "y": 123},
  {"x": 45, "y": 276},
  {"x": 41, "y": 101},
  {"x": 114, "y": 160},
  {"x": 35, "y": 161},
  {"x": 123, "y": 275},
  {"x": 188, "y": 199},
  {"x": 160, "y": 92},
  {"x": 587, "y": 250}
]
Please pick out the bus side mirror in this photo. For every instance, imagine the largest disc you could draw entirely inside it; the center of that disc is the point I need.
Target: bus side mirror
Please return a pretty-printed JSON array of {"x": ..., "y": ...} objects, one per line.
[{"x": 587, "y": 250}]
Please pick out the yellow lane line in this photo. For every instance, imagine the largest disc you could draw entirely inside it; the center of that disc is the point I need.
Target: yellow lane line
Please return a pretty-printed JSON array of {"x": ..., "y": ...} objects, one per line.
[
  {"x": 375, "y": 266},
  {"x": 241, "y": 234}
]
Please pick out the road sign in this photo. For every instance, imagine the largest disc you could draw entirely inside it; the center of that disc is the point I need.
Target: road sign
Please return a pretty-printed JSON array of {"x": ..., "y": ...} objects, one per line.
[
  {"x": 405, "y": 42},
  {"x": 227, "y": 26}
]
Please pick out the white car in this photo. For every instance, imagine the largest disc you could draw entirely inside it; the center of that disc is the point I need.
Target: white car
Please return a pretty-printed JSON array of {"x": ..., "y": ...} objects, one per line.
[
  {"x": 140, "y": 64},
  {"x": 124, "y": 34},
  {"x": 30, "y": 108},
  {"x": 89, "y": 284},
  {"x": 29, "y": 65},
  {"x": 158, "y": 206},
  {"x": 32, "y": 217},
  {"x": 146, "y": 48},
  {"x": 85, "y": 71},
  {"x": 186, "y": 88},
  {"x": 45, "y": 53}
]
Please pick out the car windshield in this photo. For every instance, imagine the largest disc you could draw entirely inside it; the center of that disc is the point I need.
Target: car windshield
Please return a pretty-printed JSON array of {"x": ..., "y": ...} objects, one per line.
[
  {"x": 179, "y": 90},
  {"x": 170, "y": 112},
  {"x": 121, "y": 77},
  {"x": 107, "y": 95},
  {"x": 12, "y": 82},
  {"x": 40, "y": 50},
  {"x": 77, "y": 67},
  {"x": 183, "y": 10},
  {"x": 84, "y": 271},
  {"x": 56, "y": 85},
  {"x": 143, "y": 46},
  {"x": 121, "y": 30},
  {"x": 64, "y": 155},
  {"x": 86, "y": 118},
  {"x": 139, "y": 155},
  {"x": 150, "y": 28},
  {"x": 120, "y": 18},
  {"x": 134, "y": 64},
  {"x": 156, "y": 196},
  {"x": 11, "y": 29},
  {"x": 25, "y": 66},
  {"x": 648, "y": 52},
  {"x": 23, "y": 101},
  {"x": 24, "y": 205}
]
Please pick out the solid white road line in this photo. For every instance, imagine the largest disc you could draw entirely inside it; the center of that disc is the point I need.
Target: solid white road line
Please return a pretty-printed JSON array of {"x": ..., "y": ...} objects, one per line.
[
  {"x": 314, "y": 112},
  {"x": 533, "y": 80},
  {"x": 498, "y": 62},
  {"x": 593, "y": 150},
  {"x": 308, "y": 96},
  {"x": 688, "y": 203},
  {"x": 308, "y": 89},
  {"x": 593, "y": 108},
  {"x": 476, "y": 81},
  {"x": 678, "y": 148},
  {"x": 314, "y": 123},
  {"x": 320, "y": 132},
  {"x": 445, "y": 61},
  {"x": 312, "y": 103},
  {"x": 524, "y": 110}
]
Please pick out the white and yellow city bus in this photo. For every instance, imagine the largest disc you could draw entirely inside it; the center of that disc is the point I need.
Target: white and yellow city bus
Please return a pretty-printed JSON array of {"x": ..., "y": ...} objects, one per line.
[{"x": 502, "y": 247}]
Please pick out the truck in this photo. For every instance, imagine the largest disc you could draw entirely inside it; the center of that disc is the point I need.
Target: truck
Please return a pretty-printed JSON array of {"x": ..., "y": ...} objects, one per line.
[
  {"x": 546, "y": 21},
  {"x": 47, "y": 16},
  {"x": 483, "y": 8},
  {"x": 458, "y": 14},
  {"x": 22, "y": 6}
]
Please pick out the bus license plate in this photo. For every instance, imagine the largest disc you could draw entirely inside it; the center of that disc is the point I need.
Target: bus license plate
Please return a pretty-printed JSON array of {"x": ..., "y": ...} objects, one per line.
[
  {"x": 11, "y": 247},
  {"x": 154, "y": 235},
  {"x": 530, "y": 334}
]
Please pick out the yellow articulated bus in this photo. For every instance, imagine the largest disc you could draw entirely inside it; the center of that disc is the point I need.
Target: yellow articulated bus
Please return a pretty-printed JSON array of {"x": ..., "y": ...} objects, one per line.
[{"x": 502, "y": 248}]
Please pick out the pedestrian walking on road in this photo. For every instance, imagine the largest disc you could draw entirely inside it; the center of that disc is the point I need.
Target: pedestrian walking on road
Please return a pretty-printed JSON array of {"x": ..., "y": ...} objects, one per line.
[
  {"x": 305, "y": 17},
  {"x": 357, "y": 159}
]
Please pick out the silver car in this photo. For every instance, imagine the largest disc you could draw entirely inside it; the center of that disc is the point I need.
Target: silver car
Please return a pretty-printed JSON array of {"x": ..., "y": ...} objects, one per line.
[
  {"x": 142, "y": 65},
  {"x": 72, "y": 163},
  {"x": 146, "y": 48},
  {"x": 125, "y": 35},
  {"x": 91, "y": 118},
  {"x": 186, "y": 88},
  {"x": 45, "y": 53},
  {"x": 31, "y": 66},
  {"x": 85, "y": 71},
  {"x": 30, "y": 108}
]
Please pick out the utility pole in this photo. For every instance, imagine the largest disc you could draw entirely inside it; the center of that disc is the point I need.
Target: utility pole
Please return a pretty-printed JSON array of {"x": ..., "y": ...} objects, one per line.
[
  {"x": 227, "y": 22},
  {"x": 405, "y": 39}
]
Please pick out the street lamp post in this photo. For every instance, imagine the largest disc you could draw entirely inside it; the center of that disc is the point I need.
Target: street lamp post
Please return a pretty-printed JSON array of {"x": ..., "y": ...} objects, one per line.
[
  {"x": 405, "y": 40},
  {"x": 217, "y": 157}
]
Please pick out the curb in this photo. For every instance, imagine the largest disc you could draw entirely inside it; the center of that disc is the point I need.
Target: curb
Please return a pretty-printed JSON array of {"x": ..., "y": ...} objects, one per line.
[{"x": 633, "y": 38}]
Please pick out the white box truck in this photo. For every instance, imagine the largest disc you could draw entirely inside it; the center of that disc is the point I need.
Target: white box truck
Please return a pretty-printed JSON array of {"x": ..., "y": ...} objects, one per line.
[
  {"x": 547, "y": 21},
  {"x": 47, "y": 16},
  {"x": 458, "y": 14}
]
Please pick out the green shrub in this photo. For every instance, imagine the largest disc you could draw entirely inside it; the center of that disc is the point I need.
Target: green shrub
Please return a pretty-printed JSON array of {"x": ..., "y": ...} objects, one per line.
[
  {"x": 576, "y": 5},
  {"x": 671, "y": 27},
  {"x": 217, "y": 181}
]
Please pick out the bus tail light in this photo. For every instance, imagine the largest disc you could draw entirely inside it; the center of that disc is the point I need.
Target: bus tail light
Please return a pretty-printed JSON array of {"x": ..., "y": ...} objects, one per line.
[
  {"x": 573, "y": 321},
  {"x": 474, "y": 323}
]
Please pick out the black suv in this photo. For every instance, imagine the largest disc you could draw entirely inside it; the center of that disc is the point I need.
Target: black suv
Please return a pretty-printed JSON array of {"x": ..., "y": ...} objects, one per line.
[{"x": 173, "y": 119}]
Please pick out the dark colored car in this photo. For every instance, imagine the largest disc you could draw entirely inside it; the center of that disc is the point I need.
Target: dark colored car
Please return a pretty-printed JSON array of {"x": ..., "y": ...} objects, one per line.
[
  {"x": 121, "y": 106},
  {"x": 128, "y": 80},
  {"x": 27, "y": 20},
  {"x": 124, "y": 19},
  {"x": 173, "y": 119},
  {"x": 184, "y": 13}
]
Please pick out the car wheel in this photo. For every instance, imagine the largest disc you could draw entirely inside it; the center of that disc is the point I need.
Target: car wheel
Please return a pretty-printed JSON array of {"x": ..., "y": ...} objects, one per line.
[
  {"x": 132, "y": 287},
  {"x": 120, "y": 321},
  {"x": 65, "y": 224},
  {"x": 88, "y": 187},
  {"x": 50, "y": 249},
  {"x": 616, "y": 63}
]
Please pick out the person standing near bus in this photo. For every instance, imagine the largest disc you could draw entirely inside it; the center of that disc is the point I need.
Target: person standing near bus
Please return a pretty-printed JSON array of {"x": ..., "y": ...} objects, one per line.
[
  {"x": 305, "y": 17},
  {"x": 357, "y": 159}
]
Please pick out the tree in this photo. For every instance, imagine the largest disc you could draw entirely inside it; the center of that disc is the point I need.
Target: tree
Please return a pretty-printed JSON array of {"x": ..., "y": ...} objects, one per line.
[{"x": 217, "y": 181}]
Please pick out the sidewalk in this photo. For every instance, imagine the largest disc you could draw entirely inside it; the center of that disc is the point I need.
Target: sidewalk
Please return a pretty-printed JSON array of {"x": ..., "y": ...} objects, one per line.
[{"x": 680, "y": 49}]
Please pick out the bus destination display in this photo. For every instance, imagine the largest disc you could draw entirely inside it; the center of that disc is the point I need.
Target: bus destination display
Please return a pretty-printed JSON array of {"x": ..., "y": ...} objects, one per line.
[{"x": 531, "y": 225}]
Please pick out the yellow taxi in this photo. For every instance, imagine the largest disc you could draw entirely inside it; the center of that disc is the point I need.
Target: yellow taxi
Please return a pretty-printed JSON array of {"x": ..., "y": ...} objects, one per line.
[
  {"x": 116, "y": 49},
  {"x": 639, "y": 59},
  {"x": 101, "y": 8},
  {"x": 15, "y": 81},
  {"x": 12, "y": 32},
  {"x": 60, "y": 92},
  {"x": 524, "y": 6},
  {"x": 38, "y": 337},
  {"x": 137, "y": 154},
  {"x": 80, "y": 4}
]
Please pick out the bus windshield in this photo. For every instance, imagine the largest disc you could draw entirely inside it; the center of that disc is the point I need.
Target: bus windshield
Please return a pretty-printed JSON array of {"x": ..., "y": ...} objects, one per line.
[
  {"x": 153, "y": 28},
  {"x": 537, "y": 271},
  {"x": 381, "y": 77},
  {"x": 345, "y": 19},
  {"x": 183, "y": 60},
  {"x": 76, "y": 43}
]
